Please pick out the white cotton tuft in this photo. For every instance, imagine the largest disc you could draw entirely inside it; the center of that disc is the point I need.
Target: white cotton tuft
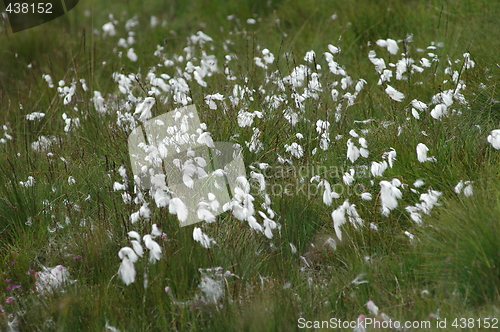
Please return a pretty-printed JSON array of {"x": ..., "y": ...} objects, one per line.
[
  {"x": 439, "y": 111},
  {"x": 269, "y": 225},
  {"x": 34, "y": 116},
  {"x": 333, "y": 49},
  {"x": 213, "y": 290},
  {"x": 494, "y": 138},
  {"x": 377, "y": 169},
  {"x": 458, "y": 188},
  {"x": 109, "y": 29},
  {"x": 418, "y": 183},
  {"x": 144, "y": 109},
  {"x": 260, "y": 178},
  {"x": 144, "y": 211},
  {"x": 418, "y": 105},
  {"x": 422, "y": 150},
  {"x": 210, "y": 100},
  {"x": 154, "y": 248},
  {"x": 131, "y": 55},
  {"x": 389, "y": 194},
  {"x": 352, "y": 151},
  {"x": 111, "y": 328},
  {"x": 176, "y": 206},
  {"x": 134, "y": 235},
  {"x": 252, "y": 222},
  {"x": 394, "y": 94},
  {"x": 338, "y": 216},
  {"x": 381, "y": 43},
  {"x": 137, "y": 247},
  {"x": 204, "y": 213},
  {"x": 156, "y": 231},
  {"x": 328, "y": 194},
  {"x": 206, "y": 138},
  {"x": 127, "y": 271},
  {"x": 415, "y": 113},
  {"x": 134, "y": 217},
  {"x": 51, "y": 279},
  {"x": 390, "y": 44},
  {"x": 118, "y": 186},
  {"x": 468, "y": 190},
  {"x": 128, "y": 252},
  {"x": 372, "y": 307},
  {"x": 295, "y": 150},
  {"x": 202, "y": 238},
  {"x": 390, "y": 156},
  {"x": 348, "y": 178},
  {"x": 366, "y": 196}
]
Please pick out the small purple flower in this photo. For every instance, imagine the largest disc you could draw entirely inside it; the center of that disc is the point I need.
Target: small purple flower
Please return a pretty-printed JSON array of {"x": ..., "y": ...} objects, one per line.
[
  {"x": 8, "y": 280},
  {"x": 31, "y": 271},
  {"x": 9, "y": 300},
  {"x": 77, "y": 257},
  {"x": 13, "y": 263}
]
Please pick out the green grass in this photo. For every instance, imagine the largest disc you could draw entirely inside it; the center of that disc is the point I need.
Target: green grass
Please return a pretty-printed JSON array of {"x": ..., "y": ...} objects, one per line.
[{"x": 450, "y": 269}]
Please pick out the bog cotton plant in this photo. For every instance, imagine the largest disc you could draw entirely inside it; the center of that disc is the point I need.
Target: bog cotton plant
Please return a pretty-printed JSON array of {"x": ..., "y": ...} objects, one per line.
[
  {"x": 127, "y": 269},
  {"x": 422, "y": 150},
  {"x": 394, "y": 94},
  {"x": 494, "y": 138},
  {"x": 389, "y": 195},
  {"x": 213, "y": 282},
  {"x": 339, "y": 217},
  {"x": 202, "y": 238},
  {"x": 465, "y": 186},
  {"x": 129, "y": 256},
  {"x": 50, "y": 280}
]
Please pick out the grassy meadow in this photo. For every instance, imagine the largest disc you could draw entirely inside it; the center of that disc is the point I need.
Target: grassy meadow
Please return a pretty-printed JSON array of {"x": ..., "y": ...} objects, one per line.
[{"x": 364, "y": 129}]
